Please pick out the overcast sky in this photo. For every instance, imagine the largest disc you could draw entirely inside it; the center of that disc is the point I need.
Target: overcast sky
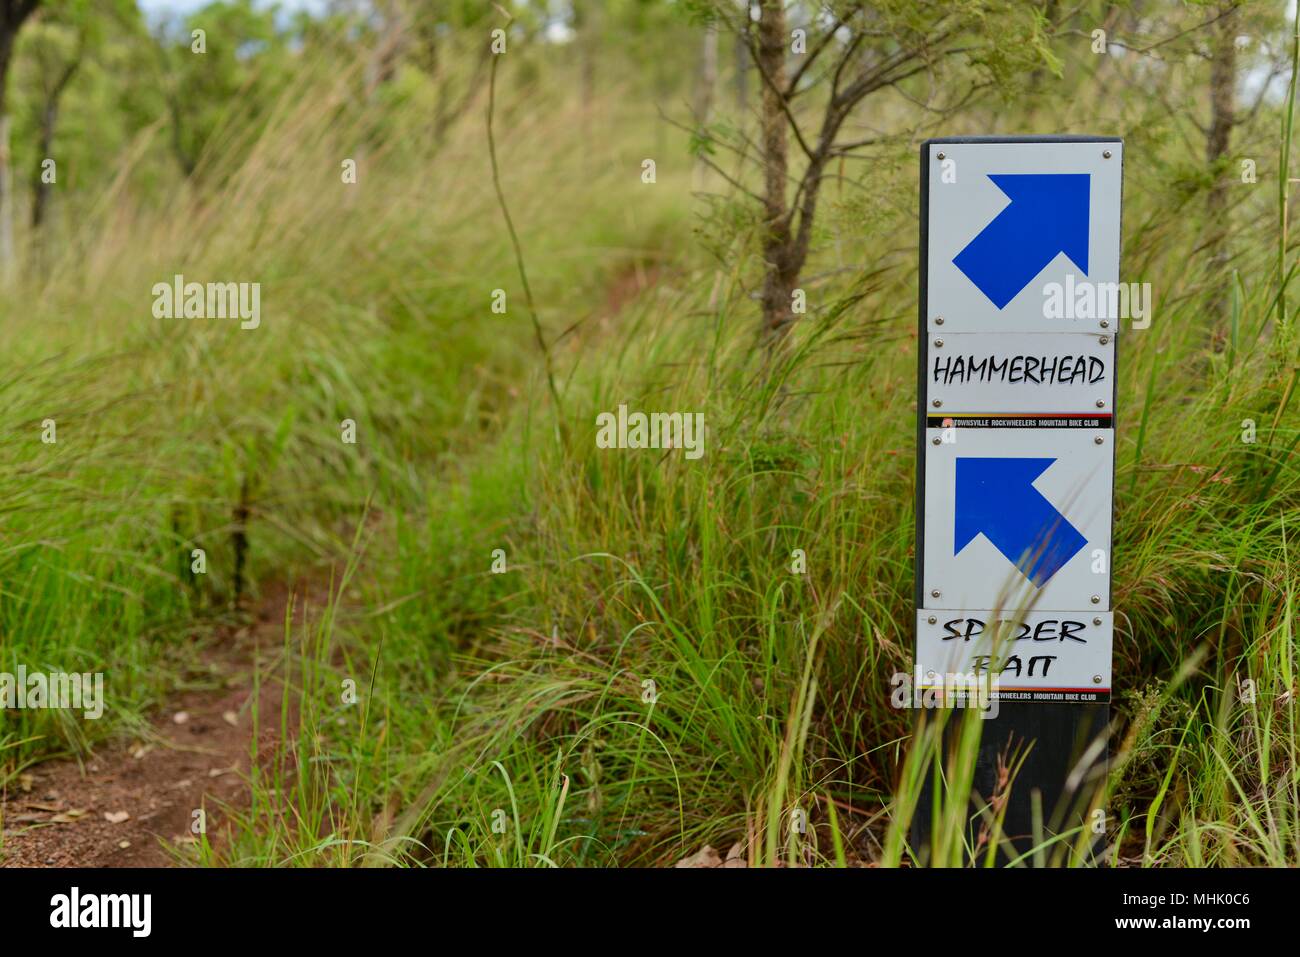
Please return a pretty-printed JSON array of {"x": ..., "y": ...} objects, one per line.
[{"x": 162, "y": 8}]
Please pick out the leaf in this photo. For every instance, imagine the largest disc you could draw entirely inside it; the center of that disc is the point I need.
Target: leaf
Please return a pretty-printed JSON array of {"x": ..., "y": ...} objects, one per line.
[
  {"x": 736, "y": 856},
  {"x": 69, "y": 817},
  {"x": 116, "y": 817},
  {"x": 704, "y": 857}
]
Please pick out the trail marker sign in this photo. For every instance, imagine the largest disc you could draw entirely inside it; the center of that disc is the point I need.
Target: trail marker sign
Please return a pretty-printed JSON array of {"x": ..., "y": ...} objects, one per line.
[
  {"x": 1020, "y": 512},
  {"x": 1008, "y": 218},
  {"x": 1020, "y": 309}
]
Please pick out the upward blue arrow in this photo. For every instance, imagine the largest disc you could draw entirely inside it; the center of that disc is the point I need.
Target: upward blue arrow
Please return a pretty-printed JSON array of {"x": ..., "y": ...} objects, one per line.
[
  {"x": 996, "y": 498},
  {"x": 1048, "y": 214}
]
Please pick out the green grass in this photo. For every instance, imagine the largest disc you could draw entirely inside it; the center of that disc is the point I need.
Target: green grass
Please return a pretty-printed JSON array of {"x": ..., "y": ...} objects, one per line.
[{"x": 648, "y": 674}]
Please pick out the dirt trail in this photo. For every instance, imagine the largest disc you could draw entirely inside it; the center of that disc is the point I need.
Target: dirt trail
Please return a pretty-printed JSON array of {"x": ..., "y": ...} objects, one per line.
[{"x": 61, "y": 814}]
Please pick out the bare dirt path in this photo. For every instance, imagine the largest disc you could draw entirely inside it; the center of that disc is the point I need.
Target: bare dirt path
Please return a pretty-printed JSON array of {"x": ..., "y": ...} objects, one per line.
[{"x": 131, "y": 804}]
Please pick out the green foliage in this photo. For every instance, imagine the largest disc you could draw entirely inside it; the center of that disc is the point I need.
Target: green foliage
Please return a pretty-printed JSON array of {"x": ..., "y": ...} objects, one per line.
[{"x": 651, "y": 672}]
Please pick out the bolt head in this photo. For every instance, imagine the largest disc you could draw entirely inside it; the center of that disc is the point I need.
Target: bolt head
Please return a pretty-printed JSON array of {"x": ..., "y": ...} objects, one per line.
[
  {"x": 1105, "y": 340},
  {"x": 1096, "y": 599},
  {"x": 936, "y": 440},
  {"x": 938, "y": 342},
  {"x": 1096, "y": 679},
  {"x": 1101, "y": 403},
  {"x": 1105, "y": 154},
  {"x": 938, "y": 320},
  {"x": 937, "y": 403},
  {"x": 1105, "y": 323},
  {"x": 932, "y": 619},
  {"x": 939, "y": 155},
  {"x": 934, "y": 593},
  {"x": 1098, "y": 440},
  {"x": 1096, "y": 621}
]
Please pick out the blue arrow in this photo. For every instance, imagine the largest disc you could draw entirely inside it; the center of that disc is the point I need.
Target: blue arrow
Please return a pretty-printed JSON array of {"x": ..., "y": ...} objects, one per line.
[
  {"x": 1048, "y": 214},
  {"x": 997, "y": 498}
]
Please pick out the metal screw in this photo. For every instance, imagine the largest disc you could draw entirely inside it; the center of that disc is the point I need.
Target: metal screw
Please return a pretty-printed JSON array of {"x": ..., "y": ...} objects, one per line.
[
  {"x": 936, "y": 440},
  {"x": 938, "y": 320},
  {"x": 1105, "y": 154},
  {"x": 1105, "y": 339},
  {"x": 1101, "y": 403},
  {"x": 934, "y": 593},
  {"x": 938, "y": 342},
  {"x": 1105, "y": 323},
  {"x": 1096, "y": 599},
  {"x": 937, "y": 404},
  {"x": 1098, "y": 440},
  {"x": 932, "y": 619},
  {"x": 1096, "y": 679},
  {"x": 1096, "y": 621},
  {"x": 939, "y": 155},
  {"x": 929, "y": 674}
]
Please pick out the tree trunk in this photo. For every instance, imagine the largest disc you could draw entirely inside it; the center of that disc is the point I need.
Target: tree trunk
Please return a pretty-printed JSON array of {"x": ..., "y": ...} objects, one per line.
[
  {"x": 584, "y": 20},
  {"x": 781, "y": 275},
  {"x": 7, "y": 32},
  {"x": 741, "y": 52},
  {"x": 40, "y": 240},
  {"x": 12, "y": 15},
  {"x": 1223, "y": 76},
  {"x": 707, "y": 76},
  {"x": 41, "y": 191},
  {"x": 706, "y": 79},
  {"x": 1218, "y": 142},
  {"x": 1222, "y": 111},
  {"x": 40, "y": 188}
]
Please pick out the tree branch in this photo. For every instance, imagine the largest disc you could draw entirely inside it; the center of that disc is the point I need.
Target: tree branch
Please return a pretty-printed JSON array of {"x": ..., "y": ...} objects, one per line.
[
  {"x": 816, "y": 51},
  {"x": 781, "y": 96}
]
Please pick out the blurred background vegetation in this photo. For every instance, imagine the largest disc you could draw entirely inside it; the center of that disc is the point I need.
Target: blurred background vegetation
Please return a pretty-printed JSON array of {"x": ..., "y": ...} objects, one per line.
[{"x": 648, "y": 674}]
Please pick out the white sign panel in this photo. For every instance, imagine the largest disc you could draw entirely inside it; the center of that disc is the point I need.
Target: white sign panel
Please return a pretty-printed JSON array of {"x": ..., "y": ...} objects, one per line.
[
  {"x": 1024, "y": 237},
  {"x": 1020, "y": 306},
  {"x": 1056, "y": 656},
  {"x": 1018, "y": 515},
  {"x": 976, "y": 373}
]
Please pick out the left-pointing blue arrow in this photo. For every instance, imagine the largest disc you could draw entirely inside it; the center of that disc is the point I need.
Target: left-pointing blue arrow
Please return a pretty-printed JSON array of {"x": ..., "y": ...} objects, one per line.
[
  {"x": 1047, "y": 215},
  {"x": 996, "y": 497}
]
